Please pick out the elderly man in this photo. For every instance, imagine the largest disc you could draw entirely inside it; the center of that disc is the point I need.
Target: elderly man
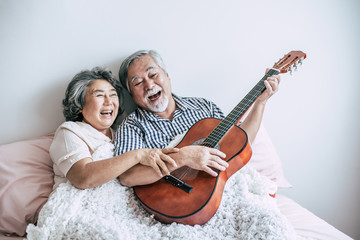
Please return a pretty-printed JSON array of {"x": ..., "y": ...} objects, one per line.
[{"x": 162, "y": 115}]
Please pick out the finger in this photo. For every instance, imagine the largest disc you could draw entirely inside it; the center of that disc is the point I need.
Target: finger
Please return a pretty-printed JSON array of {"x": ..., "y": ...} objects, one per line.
[
  {"x": 157, "y": 169},
  {"x": 170, "y": 150},
  {"x": 274, "y": 85},
  {"x": 277, "y": 79},
  {"x": 274, "y": 79},
  {"x": 210, "y": 171},
  {"x": 216, "y": 152},
  {"x": 168, "y": 159},
  {"x": 219, "y": 161},
  {"x": 216, "y": 166},
  {"x": 268, "y": 86},
  {"x": 163, "y": 167}
]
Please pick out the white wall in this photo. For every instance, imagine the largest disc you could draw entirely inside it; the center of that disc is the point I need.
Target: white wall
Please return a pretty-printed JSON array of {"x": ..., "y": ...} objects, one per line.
[{"x": 213, "y": 49}]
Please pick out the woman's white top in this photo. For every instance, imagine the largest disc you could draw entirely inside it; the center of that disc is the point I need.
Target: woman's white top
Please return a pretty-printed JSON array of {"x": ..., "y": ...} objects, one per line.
[{"x": 74, "y": 141}]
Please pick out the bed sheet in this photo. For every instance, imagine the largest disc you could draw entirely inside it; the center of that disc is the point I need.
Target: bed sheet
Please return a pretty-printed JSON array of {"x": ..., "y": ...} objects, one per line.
[{"x": 307, "y": 225}]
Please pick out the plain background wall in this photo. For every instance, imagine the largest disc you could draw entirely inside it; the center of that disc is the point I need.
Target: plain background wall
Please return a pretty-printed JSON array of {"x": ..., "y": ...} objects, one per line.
[{"x": 213, "y": 49}]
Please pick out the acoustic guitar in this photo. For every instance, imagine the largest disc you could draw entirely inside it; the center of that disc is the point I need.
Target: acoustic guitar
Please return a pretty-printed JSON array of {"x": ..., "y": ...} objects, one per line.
[{"x": 190, "y": 196}]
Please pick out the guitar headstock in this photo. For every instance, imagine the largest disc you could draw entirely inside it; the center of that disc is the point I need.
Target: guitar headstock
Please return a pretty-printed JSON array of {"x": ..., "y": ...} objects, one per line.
[{"x": 290, "y": 61}]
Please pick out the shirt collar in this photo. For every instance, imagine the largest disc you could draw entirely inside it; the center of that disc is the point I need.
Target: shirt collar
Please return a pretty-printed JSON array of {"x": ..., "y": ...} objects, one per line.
[{"x": 181, "y": 105}]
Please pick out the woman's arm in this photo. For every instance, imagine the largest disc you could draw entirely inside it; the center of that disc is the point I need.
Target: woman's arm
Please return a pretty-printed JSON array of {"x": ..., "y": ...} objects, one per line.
[{"x": 87, "y": 173}]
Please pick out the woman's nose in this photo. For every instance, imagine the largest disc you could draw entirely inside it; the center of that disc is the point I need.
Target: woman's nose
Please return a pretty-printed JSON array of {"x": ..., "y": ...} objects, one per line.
[{"x": 107, "y": 100}]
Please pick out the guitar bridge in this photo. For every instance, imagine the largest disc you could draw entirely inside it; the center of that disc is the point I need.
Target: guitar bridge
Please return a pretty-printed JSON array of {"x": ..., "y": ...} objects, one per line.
[{"x": 178, "y": 183}]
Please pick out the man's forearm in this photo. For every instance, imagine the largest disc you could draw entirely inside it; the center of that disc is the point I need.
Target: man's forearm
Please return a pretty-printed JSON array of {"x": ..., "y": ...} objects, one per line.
[{"x": 252, "y": 122}]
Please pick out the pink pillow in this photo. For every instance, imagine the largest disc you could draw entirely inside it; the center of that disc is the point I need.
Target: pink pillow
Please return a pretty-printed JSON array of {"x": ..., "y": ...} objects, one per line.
[
  {"x": 26, "y": 180},
  {"x": 266, "y": 160}
]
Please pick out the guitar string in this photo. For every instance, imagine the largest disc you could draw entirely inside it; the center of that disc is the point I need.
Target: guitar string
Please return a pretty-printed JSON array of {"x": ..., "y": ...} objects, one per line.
[
  {"x": 232, "y": 118},
  {"x": 224, "y": 126},
  {"x": 237, "y": 112}
]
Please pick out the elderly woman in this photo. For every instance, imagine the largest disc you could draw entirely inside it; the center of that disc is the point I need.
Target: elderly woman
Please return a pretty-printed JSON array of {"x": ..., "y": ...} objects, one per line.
[{"x": 91, "y": 106}]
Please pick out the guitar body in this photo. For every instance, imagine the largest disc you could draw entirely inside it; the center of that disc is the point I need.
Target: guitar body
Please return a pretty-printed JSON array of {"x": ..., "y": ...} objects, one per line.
[{"x": 169, "y": 203}]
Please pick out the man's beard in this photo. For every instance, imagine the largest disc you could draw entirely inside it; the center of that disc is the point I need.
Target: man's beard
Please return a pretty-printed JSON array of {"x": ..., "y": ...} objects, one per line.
[{"x": 159, "y": 105}]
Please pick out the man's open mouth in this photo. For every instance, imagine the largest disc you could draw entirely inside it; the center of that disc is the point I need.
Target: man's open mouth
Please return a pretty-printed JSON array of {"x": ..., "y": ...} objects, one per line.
[{"x": 155, "y": 96}]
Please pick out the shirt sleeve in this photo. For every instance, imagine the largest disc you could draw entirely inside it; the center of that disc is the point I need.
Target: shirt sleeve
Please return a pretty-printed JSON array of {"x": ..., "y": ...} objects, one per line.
[
  {"x": 217, "y": 113},
  {"x": 128, "y": 137},
  {"x": 214, "y": 110},
  {"x": 67, "y": 149}
]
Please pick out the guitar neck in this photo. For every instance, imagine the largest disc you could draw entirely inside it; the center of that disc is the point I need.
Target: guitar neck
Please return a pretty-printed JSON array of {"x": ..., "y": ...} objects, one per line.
[{"x": 219, "y": 132}]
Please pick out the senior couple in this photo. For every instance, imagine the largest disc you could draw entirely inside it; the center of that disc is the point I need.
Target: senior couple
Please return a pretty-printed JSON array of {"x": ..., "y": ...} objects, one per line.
[{"x": 92, "y": 103}]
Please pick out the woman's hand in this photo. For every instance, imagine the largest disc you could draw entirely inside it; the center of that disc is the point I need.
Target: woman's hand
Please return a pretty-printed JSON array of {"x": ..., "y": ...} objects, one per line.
[{"x": 157, "y": 159}]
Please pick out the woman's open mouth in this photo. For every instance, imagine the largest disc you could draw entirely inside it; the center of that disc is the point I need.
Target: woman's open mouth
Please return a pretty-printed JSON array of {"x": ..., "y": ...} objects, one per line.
[{"x": 107, "y": 113}]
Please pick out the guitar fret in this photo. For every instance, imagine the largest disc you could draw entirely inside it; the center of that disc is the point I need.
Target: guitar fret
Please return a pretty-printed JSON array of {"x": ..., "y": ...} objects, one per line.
[{"x": 218, "y": 133}]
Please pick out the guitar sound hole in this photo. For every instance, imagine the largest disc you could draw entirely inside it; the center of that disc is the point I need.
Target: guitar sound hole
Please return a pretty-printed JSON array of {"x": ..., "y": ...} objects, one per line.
[{"x": 201, "y": 143}]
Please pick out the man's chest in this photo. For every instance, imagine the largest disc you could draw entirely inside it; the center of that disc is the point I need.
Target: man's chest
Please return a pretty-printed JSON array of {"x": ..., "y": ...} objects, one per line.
[{"x": 158, "y": 134}]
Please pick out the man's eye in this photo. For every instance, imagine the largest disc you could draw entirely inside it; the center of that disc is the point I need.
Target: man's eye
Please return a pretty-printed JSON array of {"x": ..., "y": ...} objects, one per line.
[
  {"x": 136, "y": 83},
  {"x": 153, "y": 75},
  {"x": 99, "y": 95}
]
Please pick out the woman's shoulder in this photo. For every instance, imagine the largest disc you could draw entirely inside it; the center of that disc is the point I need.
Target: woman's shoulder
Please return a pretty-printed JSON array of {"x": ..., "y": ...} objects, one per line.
[
  {"x": 83, "y": 130},
  {"x": 74, "y": 126},
  {"x": 69, "y": 128}
]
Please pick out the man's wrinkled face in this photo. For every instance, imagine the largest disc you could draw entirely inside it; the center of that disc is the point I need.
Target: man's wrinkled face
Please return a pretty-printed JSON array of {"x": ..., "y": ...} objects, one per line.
[{"x": 149, "y": 85}]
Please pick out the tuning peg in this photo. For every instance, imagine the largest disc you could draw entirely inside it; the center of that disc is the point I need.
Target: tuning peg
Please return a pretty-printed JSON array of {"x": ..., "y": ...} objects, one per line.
[
  {"x": 295, "y": 66},
  {"x": 300, "y": 62},
  {"x": 290, "y": 70}
]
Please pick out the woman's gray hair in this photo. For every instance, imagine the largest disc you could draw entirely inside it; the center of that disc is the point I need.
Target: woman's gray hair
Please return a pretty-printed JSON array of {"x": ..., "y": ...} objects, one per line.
[
  {"x": 123, "y": 71},
  {"x": 75, "y": 93}
]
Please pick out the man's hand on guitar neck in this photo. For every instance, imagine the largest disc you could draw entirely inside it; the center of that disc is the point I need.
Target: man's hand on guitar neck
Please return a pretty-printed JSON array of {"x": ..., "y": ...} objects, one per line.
[
  {"x": 252, "y": 122},
  {"x": 272, "y": 86}
]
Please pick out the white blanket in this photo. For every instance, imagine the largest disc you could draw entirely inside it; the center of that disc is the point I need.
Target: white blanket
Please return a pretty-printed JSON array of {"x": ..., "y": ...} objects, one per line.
[{"x": 111, "y": 211}]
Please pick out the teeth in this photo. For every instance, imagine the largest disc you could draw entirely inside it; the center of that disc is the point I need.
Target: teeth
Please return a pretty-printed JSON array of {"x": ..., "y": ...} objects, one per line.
[
  {"x": 106, "y": 112},
  {"x": 152, "y": 96}
]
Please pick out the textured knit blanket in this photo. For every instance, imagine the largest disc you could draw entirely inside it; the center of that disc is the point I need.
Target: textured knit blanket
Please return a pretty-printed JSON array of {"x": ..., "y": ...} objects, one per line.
[{"x": 111, "y": 212}]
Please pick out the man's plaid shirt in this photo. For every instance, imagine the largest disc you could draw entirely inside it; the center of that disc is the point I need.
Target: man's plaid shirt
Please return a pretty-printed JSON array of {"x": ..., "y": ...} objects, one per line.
[{"x": 143, "y": 129}]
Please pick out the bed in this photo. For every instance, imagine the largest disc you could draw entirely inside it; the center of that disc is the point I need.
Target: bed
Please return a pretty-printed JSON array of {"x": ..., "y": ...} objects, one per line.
[{"x": 26, "y": 181}]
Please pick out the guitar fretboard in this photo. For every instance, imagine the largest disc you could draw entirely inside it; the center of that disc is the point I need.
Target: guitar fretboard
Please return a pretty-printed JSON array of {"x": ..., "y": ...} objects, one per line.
[{"x": 224, "y": 126}]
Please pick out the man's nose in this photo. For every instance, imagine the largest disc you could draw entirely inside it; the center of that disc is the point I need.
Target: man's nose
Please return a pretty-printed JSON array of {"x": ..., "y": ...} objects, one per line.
[{"x": 149, "y": 84}]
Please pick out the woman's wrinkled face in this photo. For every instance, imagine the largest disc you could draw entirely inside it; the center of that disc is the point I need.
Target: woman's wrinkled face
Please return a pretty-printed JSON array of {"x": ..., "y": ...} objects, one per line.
[{"x": 101, "y": 105}]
